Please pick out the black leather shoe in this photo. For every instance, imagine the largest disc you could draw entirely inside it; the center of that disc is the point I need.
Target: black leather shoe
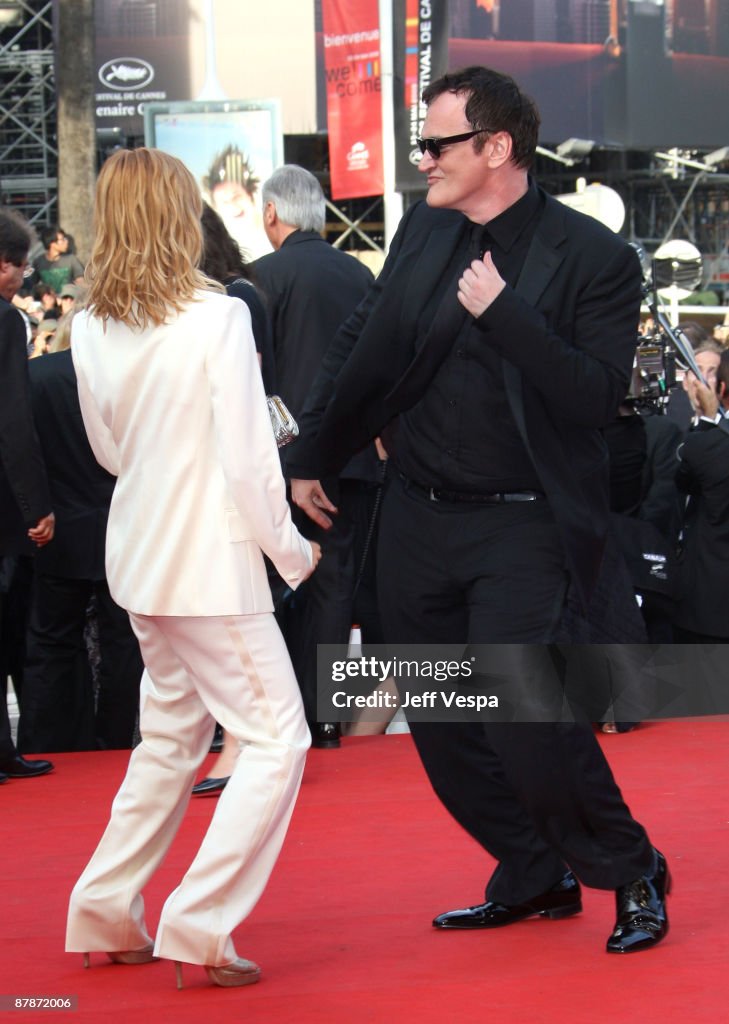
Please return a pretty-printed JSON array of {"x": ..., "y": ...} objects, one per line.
[
  {"x": 563, "y": 900},
  {"x": 3, "y": 778},
  {"x": 19, "y": 768},
  {"x": 641, "y": 911},
  {"x": 210, "y": 787},
  {"x": 325, "y": 735}
]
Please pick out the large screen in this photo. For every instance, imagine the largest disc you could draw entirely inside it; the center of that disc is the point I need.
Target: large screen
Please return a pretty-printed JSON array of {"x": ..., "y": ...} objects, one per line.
[
  {"x": 231, "y": 148},
  {"x": 632, "y": 73}
]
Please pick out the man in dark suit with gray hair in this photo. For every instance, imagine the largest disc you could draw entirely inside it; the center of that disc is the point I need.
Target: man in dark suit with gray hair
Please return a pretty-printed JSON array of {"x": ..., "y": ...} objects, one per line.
[{"x": 311, "y": 289}]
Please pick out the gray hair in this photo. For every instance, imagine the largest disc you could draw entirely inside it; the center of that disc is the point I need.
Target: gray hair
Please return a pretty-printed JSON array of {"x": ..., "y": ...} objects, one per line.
[{"x": 297, "y": 196}]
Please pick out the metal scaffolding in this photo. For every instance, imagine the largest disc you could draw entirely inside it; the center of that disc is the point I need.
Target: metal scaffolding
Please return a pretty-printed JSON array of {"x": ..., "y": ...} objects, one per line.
[{"x": 28, "y": 146}]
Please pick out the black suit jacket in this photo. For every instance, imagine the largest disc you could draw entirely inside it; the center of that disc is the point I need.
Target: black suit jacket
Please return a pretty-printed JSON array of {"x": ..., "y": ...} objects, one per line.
[
  {"x": 24, "y": 493},
  {"x": 311, "y": 289},
  {"x": 566, "y": 334},
  {"x": 80, "y": 489},
  {"x": 704, "y": 474}
]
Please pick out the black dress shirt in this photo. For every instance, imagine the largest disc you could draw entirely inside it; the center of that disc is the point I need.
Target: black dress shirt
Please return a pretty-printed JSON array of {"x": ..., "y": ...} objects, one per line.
[{"x": 461, "y": 435}]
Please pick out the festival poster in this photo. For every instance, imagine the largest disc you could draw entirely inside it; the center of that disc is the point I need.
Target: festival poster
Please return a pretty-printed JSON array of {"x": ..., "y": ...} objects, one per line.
[
  {"x": 354, "y": 99},
  {"x": 420, "y": 44}
]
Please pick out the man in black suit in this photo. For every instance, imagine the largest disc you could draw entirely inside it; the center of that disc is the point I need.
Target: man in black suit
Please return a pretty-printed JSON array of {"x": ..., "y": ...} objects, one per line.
[
  {"x": 25, "y": 505},
  {"x": 58, "y": 710},
  {"x": 703, "y": 473},
  {"x": 311, "y": 289},
  {"x": 495, "y": 344}
]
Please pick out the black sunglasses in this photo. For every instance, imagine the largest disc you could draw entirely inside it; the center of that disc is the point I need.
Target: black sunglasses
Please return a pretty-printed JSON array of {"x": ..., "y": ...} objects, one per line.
[{"x": 433, "y": 146}]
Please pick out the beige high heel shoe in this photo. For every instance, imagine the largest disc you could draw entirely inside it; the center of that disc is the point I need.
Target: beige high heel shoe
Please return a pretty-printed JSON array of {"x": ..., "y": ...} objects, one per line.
[
  {"x": 240, "y": 972},
  {"x": 128, "y": 956}
]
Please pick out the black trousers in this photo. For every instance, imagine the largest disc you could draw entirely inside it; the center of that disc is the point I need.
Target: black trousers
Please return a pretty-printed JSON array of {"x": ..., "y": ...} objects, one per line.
[
  {"x": 537, "y": 796},
  {"x": 59, "y": 710},
  {"x": 16, "y": 580}
]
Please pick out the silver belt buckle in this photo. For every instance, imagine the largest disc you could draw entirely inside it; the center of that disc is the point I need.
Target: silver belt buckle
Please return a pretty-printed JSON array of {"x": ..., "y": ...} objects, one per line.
[{"x": 432, "y": 495}]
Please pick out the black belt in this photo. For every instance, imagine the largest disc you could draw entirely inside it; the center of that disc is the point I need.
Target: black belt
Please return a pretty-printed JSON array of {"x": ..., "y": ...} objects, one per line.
[{"x": 471, "y": 497}]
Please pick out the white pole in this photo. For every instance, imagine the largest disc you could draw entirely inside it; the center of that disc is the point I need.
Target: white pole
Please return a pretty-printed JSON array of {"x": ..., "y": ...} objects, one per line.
[
  {"x": 212, "y": 89},
  {"x": 392, "y": 200}
]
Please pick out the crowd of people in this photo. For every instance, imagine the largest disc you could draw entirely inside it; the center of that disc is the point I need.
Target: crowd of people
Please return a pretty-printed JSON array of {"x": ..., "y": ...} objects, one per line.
[{"x": 449, "y": 485}]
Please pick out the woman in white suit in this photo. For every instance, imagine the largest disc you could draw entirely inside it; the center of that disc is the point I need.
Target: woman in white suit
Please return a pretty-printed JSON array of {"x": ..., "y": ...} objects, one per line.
[{"x": 173, "y": 404}]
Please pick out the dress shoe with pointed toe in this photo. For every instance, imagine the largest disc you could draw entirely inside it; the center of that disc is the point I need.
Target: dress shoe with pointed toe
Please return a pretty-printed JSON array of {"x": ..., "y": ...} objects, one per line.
[
  {"x": 642, "y": 920},
  {"x": 563, "y": 900},
  {"x": 210, "y": 787},
  {"x": 19, "y": 768},
  {"x": 325, "y": 735}
]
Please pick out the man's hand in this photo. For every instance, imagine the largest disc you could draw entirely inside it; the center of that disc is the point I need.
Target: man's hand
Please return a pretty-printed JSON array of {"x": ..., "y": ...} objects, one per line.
[
  {"x": 309, "y": 495},
  {"x": 704, "y": 399},
  {"x": 479, "y": 286},
  {"x": 42, "y": 532}
]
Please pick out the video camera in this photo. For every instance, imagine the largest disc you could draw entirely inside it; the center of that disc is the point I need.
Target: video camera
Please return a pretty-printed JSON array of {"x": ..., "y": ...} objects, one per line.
[
  {"x": 664, "y": 348},
  {"x": 654, "y": 371}
]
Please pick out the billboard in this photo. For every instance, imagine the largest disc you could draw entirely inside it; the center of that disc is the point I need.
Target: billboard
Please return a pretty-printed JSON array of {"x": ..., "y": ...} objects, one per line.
[
  {"x": 637, "y": 74},
  {"x": 231, "y": 148},
  {"x": 151, "y": 51},
  {"x": 351, "y": 31}
]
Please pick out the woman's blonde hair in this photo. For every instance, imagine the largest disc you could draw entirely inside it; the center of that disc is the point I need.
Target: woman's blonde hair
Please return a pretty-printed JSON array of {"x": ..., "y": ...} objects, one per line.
[{"x": 148, "y": 240}]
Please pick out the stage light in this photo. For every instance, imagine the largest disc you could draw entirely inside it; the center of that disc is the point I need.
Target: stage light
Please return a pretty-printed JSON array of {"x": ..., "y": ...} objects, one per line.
[
  {"x": 718, "y": 156},
  {"x": 575, "y": 149},
  {"x": 569, "y": 152},
  {"x": 12, "y": 14}
]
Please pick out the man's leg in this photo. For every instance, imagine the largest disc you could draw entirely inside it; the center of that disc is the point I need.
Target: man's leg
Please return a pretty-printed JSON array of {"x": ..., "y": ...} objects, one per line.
[
  {"x": 57, "y": 711},
  {"x": 120, "y": 673},
  {"x": 423, "y": 600}
]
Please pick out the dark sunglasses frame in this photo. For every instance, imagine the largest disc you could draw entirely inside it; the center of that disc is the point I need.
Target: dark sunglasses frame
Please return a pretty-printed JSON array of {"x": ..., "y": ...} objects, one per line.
[{"x": 433, "y": 146}]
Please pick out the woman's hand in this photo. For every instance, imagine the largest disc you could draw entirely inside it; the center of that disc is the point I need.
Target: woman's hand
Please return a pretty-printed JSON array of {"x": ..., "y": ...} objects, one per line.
[{"x": 315, "y": 556}]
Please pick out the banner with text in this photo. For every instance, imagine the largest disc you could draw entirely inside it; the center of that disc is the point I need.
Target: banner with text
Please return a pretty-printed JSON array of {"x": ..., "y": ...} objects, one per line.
[
  {"x": 420, "y": 44},
  {"x": 354, "y": 104}
]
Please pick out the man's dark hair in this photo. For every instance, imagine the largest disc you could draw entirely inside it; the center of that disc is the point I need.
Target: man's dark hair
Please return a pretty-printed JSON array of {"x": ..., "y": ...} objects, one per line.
[
  {"x": 695, "y": 332},
  {"x": 722, "y": 373},
  {"x": 15, "y": 238},
  {"x": 494, "y": 101},
  {"x": 221, "y": 257},
  {"x": 50, "y": 234}
]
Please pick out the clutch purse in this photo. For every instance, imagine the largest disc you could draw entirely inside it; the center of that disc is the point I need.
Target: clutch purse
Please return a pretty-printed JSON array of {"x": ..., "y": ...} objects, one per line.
[{"x": 285, "y": 428}]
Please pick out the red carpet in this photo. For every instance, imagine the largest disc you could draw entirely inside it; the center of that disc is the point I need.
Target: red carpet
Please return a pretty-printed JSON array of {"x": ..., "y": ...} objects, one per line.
[{"x": 343, "y": 932}]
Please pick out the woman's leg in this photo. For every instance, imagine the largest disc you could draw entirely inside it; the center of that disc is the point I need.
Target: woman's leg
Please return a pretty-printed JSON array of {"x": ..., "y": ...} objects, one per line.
[
  {"x": 107, "y": 910},
  {"x": 244, "y": 675}
]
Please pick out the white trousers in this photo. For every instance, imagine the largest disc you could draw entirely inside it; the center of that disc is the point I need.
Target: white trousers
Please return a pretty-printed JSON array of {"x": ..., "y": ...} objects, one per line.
[{"x": 234, "y": 670}]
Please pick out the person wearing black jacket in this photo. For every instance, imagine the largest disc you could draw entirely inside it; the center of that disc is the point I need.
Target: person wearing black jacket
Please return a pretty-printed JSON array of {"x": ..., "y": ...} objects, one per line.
[
  {"x": 703, "y": 474},
  {"x": 26, "y": 517},
  {"x": 59, "y": 711},
  {"x": 496, "y": 343},
  {"x": 311, "y": 288}
]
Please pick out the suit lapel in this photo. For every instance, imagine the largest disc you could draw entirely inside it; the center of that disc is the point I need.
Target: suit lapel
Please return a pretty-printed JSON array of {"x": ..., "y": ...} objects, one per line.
[
  {"x": 435, "y": 261},
  {"x": 543, "y": 258}
]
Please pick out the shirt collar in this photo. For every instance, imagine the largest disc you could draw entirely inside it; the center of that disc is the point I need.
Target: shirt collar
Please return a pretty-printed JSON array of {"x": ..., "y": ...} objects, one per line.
[{"x": 506, "y": 228}]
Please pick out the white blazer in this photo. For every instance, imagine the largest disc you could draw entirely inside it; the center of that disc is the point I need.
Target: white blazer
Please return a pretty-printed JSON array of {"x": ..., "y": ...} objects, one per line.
[{"x": 178, "y": 413}]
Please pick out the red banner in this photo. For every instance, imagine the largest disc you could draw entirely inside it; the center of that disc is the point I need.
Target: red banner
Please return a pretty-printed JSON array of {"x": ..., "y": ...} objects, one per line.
[{"x": 354, "y": 111}]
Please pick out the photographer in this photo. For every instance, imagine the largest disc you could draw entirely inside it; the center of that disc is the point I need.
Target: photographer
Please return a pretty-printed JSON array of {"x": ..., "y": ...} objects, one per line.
[{"x": 703, "y": 474}]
